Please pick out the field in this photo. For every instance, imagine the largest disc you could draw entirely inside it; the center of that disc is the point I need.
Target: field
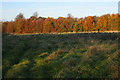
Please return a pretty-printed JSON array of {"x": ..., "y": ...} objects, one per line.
[{"x": 80, "y": 55}]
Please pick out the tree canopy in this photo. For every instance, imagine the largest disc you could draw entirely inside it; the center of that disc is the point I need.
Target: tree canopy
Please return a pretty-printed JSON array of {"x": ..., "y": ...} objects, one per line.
[{"x": 35, "y": 24}]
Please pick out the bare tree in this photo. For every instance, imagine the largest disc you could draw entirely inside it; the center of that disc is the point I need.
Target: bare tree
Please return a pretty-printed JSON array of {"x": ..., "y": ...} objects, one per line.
[
  {"x": 69, "y": 15},
  {"x": 19, "y": 17},
  {"x": 35, "y": 14}
]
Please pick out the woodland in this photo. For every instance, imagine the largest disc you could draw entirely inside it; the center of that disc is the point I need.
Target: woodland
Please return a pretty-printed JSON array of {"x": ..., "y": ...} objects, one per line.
[{"x": 35, "y": 24}]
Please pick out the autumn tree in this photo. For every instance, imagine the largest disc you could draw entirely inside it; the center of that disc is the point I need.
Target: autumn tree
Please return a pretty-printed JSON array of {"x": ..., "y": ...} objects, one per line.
[
  {"x": 19, "y": 26},
  {"x": 70, "y": 21},
  {"x": 117, "y": 17},
  {"x": 62, "y": 25},
  {"x": 75, "y": 28},
  {"x": 10, "y": 28},
  {"x": 47, "y": 25},
  {"x": 36, "y": 24},
  {"x": 80, "y": 26},
  {"x": 4, "y": 27},
  {"x": 39, "y": 25}
]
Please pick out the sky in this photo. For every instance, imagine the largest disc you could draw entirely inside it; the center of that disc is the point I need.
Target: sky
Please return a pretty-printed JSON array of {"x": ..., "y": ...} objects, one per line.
[
  {"x": 11, "y": 8},
  {"x": 59, "y": 0}
]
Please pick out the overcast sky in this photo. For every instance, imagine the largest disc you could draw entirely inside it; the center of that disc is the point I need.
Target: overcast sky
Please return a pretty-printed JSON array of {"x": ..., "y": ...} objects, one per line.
[{"x": 11, "y": 8}]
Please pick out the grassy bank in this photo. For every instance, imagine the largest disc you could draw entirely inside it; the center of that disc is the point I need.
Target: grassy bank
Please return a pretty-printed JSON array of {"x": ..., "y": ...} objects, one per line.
[{"x": 80, "y": 55}]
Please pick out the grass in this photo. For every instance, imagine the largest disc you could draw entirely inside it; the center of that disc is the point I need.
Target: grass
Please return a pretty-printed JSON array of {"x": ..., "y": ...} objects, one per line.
[{"x": 80, "y": 55}]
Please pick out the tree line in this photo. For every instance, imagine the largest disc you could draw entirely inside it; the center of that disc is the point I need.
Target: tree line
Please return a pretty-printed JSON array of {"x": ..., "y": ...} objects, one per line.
[{"x": 35, "y": 24}]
